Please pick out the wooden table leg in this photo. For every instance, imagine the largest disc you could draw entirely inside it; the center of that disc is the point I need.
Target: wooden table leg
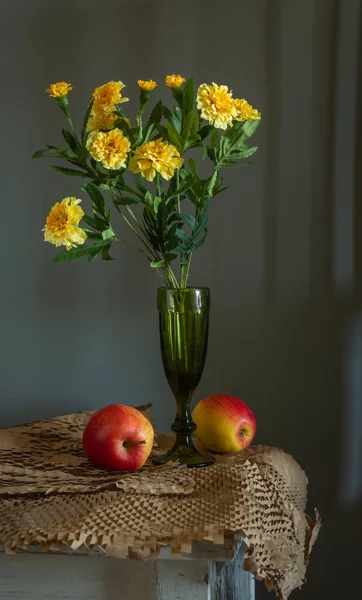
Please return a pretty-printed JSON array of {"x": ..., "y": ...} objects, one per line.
[{"x": 229, "y": 581}]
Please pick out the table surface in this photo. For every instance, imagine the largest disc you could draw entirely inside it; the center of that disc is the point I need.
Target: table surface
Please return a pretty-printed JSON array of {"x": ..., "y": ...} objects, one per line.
[{"x": 53, "y": 497}]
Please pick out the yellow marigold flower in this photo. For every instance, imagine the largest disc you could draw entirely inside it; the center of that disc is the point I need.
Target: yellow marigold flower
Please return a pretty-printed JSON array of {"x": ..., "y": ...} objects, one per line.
[
  {"x": 107, "y": 96},
  {"x": 57, "y": 90},
  {"x": 245, "y": 111},
  {"x": 110, "y": 148},
  {"x": 101, "y": 120},
  {"x": 147, "y": 86},
  {"x": 61, "y": 224},
  {"x": 216, "y": 104},
  {"x": 173, "y": 81},
  {"x": 156, "y": 156}
]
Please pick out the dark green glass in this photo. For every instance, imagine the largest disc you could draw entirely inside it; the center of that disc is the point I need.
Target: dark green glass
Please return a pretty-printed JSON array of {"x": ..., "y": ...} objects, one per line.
[{"x": 184, "y": 329}]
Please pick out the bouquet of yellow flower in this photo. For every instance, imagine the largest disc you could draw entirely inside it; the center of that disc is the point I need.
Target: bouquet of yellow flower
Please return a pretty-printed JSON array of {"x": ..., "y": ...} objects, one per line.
[{"x": 110, "y": 149}]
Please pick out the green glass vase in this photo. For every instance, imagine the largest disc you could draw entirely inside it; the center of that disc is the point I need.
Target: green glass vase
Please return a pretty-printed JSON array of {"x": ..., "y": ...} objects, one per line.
[{"x": 184, "y": 329}]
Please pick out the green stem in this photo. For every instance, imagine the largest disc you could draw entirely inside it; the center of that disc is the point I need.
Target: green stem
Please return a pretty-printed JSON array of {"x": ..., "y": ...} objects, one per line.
[
  {"x": 127, "y": 188},
  {"x": 177, "y": 187},
  {"x": 164, "y": 279},
  {"x": 149, "y": 258},
  {"x": 171, "y": 276},
  {"x": 144, "y": 242},
  {"x": 73, "y": 130},
  {"x": 185, "y": 268},
  {"x": 131, "y": 444},
  {"x": 131, "y": 213},
  {"x": 158, "y": 185}
]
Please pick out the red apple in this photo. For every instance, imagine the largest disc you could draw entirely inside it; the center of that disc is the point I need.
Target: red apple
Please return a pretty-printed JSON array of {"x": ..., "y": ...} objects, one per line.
[
  {"x": 118, "y": 438},
  {"x": 224, "y": 423}
]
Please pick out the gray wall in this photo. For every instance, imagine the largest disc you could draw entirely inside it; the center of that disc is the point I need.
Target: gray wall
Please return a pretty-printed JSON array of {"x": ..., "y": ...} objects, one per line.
[{"x": 283, "y": 251}]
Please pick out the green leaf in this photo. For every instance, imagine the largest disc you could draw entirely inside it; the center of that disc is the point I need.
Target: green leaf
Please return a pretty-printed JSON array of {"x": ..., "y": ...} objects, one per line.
[
  {"x": 211, "y": 153},
  {"x": 193, "y": 166},
  {"x": 230, "y": 163},
  {"x": 125, "y": 200},
  {"x": 189, "y": 219},
  {"x": 96, "y": 196},
  {"x": 85, "y": 121},
  {"x": 177, "y": 93},
  {"x": 122, "y": 124},
  {"x": 148, "y": 130},
  {"x": 90, "y": 250},
  {"x": 191, "y": 125},
  {"x": 188, "y": 243},
  {"x": 140, "y": 131},
  {"x": 40, "y": 153},
  {"x": 250, "y": 127},
  {"x": 205, "y": 131},
  {"x": 111, "y": 183},
  {"x": 199, "y": 241},
  {"x": 139, "y": 183},
  {"x": 69, "y": 172},
  {"x": 156, "y": 203},
  {"x": 211, "y": 184},
  {"x": 183, "y": 173},
  {"x": 149, "y": 198},
  {"x": 171, "y": 118},
  {"x": 188, "y": 96},
  {"x": 154, "y": 119},
  {"x": 183, "y": 235},
  {"x": 156, "y": 114},
  {"x": 178, "y": 113},
  {"x": 108, "y": 234},
  {"x": 173, "y": 136},
  {"x": 105, "y": 253},
  {"x": 188, "y": 183},
  {"x": 101, "y": 169},
  {"x": 153, "y": 202},
  {"x": 163, "y": 131},
  {"x": 156, "y": 264},
  {"x": 171, "y": 241},
  {"x": 244, "y": 153},
  {"x": 214, "y": 138},
  {"x": 91, "y": 234},
  {"x": 70, "y": 139},
  {"x": 219, "y": 190},
  {"x": 69, "y": 154},
  {"x": 119, "y": 111},
  {"x": 91, "y": 221}
]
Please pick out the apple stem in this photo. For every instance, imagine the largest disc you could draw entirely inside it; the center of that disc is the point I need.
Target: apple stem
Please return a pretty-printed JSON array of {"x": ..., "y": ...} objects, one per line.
[{"x": 130, "y": 444}]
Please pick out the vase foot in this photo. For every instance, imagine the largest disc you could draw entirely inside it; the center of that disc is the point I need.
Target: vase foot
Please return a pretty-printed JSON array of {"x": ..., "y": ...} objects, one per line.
[{"x": 184, "y": 455}]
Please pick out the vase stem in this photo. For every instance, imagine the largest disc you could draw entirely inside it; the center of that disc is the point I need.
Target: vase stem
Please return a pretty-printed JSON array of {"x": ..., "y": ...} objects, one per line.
[{"x": 183, "y": 424}]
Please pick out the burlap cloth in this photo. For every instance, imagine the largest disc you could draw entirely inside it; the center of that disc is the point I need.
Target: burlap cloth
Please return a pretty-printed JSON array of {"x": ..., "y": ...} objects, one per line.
[{"x": 52, "y": 498}]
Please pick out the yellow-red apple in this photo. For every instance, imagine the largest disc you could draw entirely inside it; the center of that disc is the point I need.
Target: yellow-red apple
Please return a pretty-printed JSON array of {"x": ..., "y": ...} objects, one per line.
[
  {"x": 224, "y": 423},
  {"x": 118, "y": 438}
]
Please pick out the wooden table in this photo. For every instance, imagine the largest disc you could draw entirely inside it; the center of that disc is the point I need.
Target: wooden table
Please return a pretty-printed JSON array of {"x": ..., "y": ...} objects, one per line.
[{"x": 210, "y": 572}]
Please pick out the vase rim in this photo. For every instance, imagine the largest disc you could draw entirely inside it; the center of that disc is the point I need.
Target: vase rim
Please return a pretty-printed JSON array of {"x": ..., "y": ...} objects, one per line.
[{"x": 186, "y": 289}]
